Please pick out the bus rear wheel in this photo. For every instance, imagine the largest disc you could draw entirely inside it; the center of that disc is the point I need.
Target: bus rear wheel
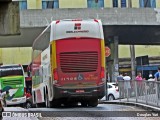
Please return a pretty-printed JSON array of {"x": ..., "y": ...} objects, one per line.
[
  {"x": 93, "y": 102},
  {"x": 84, "y": 104},
  {"x": 47, "y": 102},
  {"x": 38, "y": 105}
]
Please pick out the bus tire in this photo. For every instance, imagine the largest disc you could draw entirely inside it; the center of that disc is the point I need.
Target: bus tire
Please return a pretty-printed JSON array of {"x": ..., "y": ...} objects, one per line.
[
  {"x": 93, "y": 102},
  {"x": 22, "y": 105},
  {"x": 84, "y": 104},
  {"x": 56, "y": 103},
  {"x": 47, "y": 102},
  {"x": 28, "y": 105},
  {"x": 73, "y": 104},
  {"x": 111, "y": 97},
  {"x": 37, "y": 105}
]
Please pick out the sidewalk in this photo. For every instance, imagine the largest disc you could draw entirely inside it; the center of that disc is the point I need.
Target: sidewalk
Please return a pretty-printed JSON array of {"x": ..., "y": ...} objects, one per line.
[{"x": 124, "y": 102}]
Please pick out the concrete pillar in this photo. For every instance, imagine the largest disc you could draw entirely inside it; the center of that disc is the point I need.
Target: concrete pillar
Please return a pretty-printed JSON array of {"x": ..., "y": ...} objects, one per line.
[
  {"x": 109, "y": 60},
  {"x": 135, "y": 3},
  {"x": 119, "y": 3},
  {"x": 112, "y": 60},
  {"x": 1, "y": 56},
  {"x": 9, "y": 18},
  {"x": 157, "y": 4},
  {"x": 72, "y": 3},
  {"x": 115, "y": 72},
  {"x": 34, "y": 4},
  {"x": 129, "y": 3},
  {"x": 132, "y": 51},
  {"x": 39, "y": 4},
  {"x": 108, "y": 4}
]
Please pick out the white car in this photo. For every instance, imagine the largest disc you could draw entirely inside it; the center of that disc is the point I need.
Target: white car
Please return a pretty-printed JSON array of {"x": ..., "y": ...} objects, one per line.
[{"x": 113, "y": 92}]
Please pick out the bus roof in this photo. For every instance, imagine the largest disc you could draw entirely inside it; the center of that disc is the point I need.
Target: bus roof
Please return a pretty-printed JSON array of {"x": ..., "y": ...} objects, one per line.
[
  {"x": 90, "y": 28},
  {"x": 12, "y": 65}
]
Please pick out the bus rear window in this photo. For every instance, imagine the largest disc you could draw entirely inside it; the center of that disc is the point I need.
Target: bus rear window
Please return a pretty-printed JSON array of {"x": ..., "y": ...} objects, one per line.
[{"x": 10, "y": 71}]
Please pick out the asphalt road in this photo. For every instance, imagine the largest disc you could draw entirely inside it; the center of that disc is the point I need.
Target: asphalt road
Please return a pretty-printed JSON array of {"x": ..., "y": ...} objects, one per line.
[{"x": 101, "y": 112}]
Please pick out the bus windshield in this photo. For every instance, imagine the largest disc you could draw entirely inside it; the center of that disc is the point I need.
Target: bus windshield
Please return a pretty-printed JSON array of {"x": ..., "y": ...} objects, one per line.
[{"x": 10, "y": 71}]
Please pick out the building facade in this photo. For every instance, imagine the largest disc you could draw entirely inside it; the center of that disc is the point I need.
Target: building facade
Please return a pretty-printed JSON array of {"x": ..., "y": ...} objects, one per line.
[
  {"x": 18, "y": 55},
  {"x": 52, "y": 4}
]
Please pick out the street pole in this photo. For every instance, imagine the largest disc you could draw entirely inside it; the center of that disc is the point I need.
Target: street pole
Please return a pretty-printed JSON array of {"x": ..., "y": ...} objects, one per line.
[
  {"x": 132, "y": 52},
  {"x": 116, "y": 61}
]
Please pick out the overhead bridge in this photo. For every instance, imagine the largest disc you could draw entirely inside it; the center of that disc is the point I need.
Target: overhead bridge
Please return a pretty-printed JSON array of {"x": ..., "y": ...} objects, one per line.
[{"x": 130, "y": 25}]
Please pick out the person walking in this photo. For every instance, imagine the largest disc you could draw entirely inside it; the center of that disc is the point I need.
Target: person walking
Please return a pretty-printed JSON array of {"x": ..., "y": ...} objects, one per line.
[
  {"x": 139, "y": 83},
  {"x": 157, "y": 78},
  {"x": 120, "y": 83},
  {"x": 5, "y": 97},
  {"x": 119, "y": 78},
  {"x": 28, "y": 94},
  {"x": 139, "y": 76},
  {"x": 151, "y": 78},
  {"x": 127, "y": 85},
  {"x": 157, "y": 75},
  {"x": 151, "y": 84}
]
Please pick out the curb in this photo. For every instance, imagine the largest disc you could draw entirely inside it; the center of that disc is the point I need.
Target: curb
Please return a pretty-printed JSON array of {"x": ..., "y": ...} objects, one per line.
[{"x": 144, "y": 106}]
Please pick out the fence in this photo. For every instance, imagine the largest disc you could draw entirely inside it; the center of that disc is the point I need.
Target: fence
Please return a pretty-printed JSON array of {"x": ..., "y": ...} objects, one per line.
[{"x": 144, "y": 91}]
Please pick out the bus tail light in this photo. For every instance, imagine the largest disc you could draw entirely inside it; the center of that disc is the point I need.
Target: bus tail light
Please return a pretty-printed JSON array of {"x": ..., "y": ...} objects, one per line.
[
  {"x": 95, "y": 20},
  {"x": 102, "y": 73},
  {"x": 57, "y": 21},
  {"x": 55, "y": 74},
  {"x": 117, "y": 90}
]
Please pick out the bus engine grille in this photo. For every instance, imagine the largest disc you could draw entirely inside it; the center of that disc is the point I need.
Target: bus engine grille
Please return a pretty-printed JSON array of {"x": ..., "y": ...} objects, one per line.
[{"x": 71, "y": 62}]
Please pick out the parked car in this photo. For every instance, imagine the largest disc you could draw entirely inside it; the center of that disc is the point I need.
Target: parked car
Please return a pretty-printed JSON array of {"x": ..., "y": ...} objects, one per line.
[{"x": 113, "y": 92}]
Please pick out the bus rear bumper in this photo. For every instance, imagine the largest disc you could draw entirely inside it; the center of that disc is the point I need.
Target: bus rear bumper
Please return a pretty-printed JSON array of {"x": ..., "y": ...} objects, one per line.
[
  {"x": 16, "y": 101},
  {"x": 97, "y": 92}
]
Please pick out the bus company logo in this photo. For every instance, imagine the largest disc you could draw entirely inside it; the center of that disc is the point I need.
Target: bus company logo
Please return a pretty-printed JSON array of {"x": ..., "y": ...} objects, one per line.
[
  {"x": 80, "y": 77},
  {"x": 6, "y": 114},
  {"x": 77, "y": 26},
  {"x": 77, "y": 29}
]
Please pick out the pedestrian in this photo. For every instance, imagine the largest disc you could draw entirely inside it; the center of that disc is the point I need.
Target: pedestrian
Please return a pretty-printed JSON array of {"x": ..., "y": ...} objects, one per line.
[
  {"x": 28, "y": 94},
  {"x": 139, "y": 76},
  {"x": 151, "y": 78},
  {"x": 120, "y": 83},
  {"x": 3, "y": 94},
  {"x": 139, "y": 83},
  {"x": 119, "y": 78},
  {"x": 157, "y": 78},
  {"x": 151, "y": 84},
  {"x": 157, "y": 75},
  {"x": 127, "y": 85},
  {"x": 5, "y": 97}
]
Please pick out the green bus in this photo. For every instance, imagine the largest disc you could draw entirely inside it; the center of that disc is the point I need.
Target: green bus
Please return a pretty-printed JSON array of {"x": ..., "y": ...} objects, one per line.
[{"x": 12, "y": 84}]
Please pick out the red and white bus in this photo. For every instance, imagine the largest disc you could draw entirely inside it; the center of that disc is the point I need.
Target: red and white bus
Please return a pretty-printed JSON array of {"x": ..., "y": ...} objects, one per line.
[{"x": 68, "y": 64}]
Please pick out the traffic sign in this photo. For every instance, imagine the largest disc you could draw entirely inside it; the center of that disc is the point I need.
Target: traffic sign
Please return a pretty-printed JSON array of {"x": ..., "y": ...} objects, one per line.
[{"x": 107, "y": 51}]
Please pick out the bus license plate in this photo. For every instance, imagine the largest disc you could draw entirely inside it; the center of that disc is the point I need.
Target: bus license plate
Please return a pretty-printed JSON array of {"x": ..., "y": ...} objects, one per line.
[
  {"x": 15, "y": 100},
  {"x": 79, "y": 91}
]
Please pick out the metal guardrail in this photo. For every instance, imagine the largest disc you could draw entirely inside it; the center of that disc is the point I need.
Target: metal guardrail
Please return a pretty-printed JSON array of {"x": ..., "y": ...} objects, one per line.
[{"x": 146, "y": 92}]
